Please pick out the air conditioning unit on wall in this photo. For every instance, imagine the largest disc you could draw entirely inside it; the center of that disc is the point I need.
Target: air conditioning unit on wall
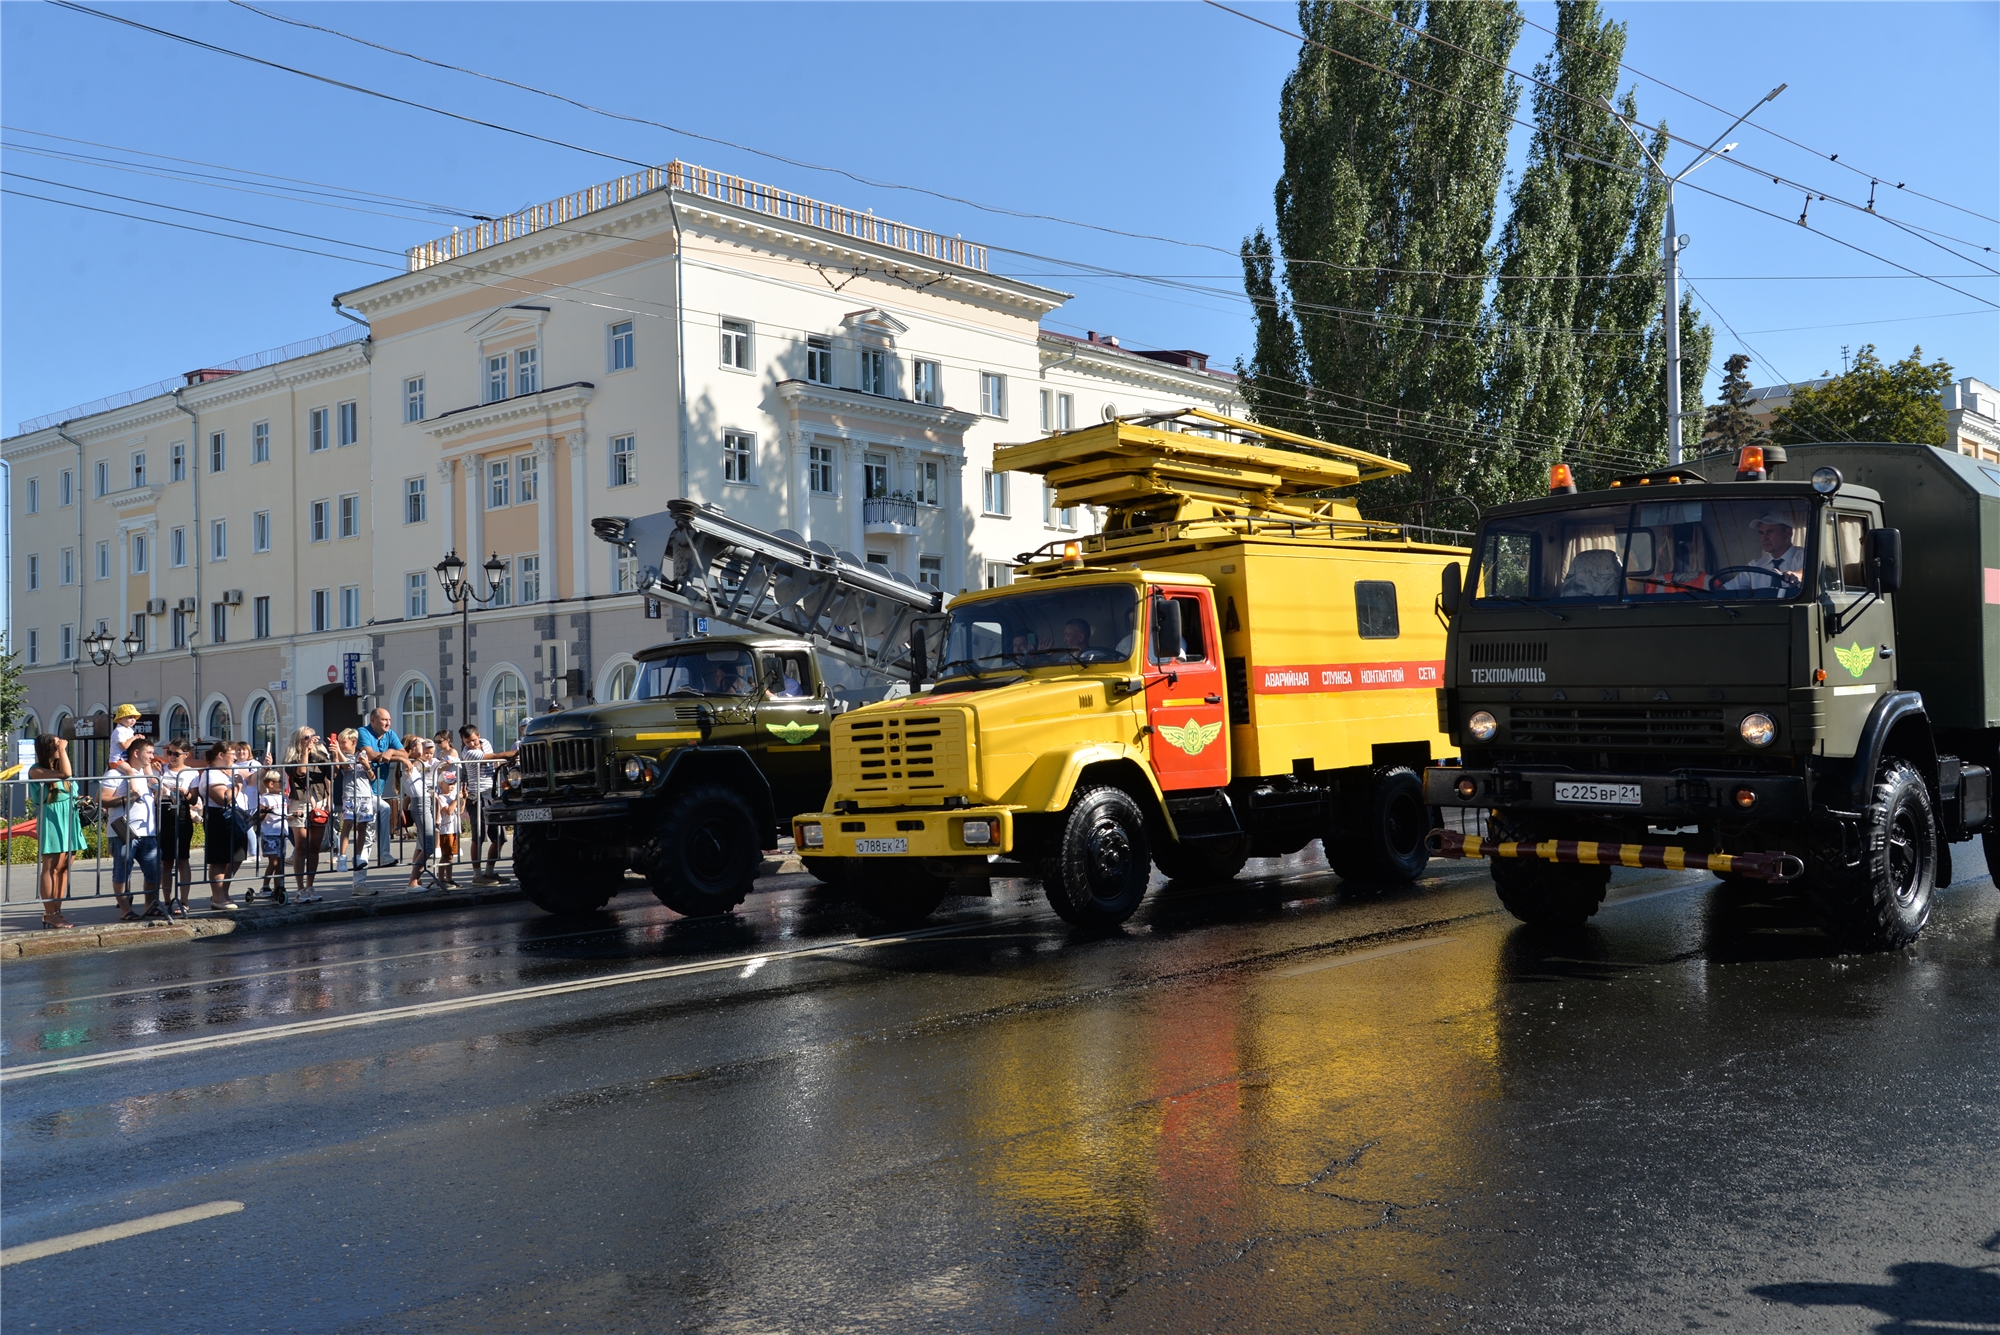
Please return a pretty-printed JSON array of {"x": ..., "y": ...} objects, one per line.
[
  {"x": 156, "y": 607},
  {"x": 232, "y": 597},
  {"x": 185, "y": 605}
]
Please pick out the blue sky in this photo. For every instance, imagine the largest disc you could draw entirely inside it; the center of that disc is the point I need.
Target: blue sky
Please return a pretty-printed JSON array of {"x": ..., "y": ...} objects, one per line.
[{"x": 1140, "y": 117}]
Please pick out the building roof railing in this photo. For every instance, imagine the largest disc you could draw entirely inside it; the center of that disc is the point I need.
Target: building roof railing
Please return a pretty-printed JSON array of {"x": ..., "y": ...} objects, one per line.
[
  {"x": 256, "y": 360},
  {"x": 677, "y": 175}
]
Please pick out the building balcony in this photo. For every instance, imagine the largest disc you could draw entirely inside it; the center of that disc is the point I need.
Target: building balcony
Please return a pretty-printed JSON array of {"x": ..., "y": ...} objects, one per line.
[{"x": 881, "y": 514}]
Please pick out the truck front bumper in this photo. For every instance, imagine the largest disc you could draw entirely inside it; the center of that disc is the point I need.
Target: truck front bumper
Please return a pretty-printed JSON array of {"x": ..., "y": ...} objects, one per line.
[
  {"x": 883, "y": 835},
  {"x": 1684, "y": 798},
  {"x": 553, "y": 812}
]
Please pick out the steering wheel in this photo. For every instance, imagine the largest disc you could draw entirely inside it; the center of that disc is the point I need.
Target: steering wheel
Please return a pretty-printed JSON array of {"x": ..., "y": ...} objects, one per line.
[{"x": 1777, "y": 577}]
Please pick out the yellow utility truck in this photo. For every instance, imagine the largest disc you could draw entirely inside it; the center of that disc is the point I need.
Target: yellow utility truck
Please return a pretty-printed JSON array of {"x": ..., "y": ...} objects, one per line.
[{"x": 1237, "y": 665}]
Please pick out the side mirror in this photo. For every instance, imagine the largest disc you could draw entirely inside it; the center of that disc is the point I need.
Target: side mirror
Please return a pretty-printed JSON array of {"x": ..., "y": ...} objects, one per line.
[
  {"x": 919, "y": 659},
  {"x": 1453, "y": 590},
  {"x": 704, "y": 718},
  {"x": 1885, "y": 559},
  {"x": 1166, "y": 630}
]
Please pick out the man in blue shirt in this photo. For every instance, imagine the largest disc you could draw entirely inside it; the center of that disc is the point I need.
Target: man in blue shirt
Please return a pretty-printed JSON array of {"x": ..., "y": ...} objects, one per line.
[{"x": 380, "y": 744}]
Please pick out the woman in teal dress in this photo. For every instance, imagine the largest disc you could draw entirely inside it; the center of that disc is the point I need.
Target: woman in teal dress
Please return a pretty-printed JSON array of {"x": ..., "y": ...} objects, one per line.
[{"x": 57, "y": 824}]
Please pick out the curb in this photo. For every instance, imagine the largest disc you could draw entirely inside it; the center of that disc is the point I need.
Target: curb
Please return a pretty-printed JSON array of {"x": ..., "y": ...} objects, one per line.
[{"x": 29, "y": 945}]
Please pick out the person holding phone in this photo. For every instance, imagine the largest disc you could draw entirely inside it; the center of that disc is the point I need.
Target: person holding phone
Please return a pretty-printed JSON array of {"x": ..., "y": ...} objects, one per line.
[{"x": 58, "y": 826}]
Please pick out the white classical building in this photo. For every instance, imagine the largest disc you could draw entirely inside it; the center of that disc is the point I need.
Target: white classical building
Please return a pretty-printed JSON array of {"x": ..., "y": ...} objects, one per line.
[{"x": 672, "y": 333}]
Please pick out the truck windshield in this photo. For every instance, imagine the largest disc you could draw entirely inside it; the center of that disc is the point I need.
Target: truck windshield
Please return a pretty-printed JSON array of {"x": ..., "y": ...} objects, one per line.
[
  {"x": 1042, "y": 627},
  {"x": 723, "y": 670},
  {"x": 1646, "y": 551}
]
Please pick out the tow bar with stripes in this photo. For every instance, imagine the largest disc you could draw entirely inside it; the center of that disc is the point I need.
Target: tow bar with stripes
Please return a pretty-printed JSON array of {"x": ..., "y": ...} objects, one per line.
[{"x": 1757, "y": 866}]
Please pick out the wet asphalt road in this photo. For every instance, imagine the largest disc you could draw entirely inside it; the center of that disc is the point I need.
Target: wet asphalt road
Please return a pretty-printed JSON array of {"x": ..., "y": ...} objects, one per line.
[{"x": 1290, "y": 1105}]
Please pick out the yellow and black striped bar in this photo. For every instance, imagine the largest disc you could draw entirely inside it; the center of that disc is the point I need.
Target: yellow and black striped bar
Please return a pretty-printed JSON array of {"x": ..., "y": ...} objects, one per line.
[{"x": 1757, "y": 866}]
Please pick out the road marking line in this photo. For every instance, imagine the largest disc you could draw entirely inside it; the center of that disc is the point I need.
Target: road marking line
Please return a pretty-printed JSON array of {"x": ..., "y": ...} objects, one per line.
[
  {"x": 90, "y": 1237},
  {"x": 420, "y": 1010},
  {"x": 1362, "y": 956}
]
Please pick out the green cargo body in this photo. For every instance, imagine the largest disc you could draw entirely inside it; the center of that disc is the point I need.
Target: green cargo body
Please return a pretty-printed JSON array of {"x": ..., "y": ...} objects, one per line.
[{"x": 1948, "y": 610}]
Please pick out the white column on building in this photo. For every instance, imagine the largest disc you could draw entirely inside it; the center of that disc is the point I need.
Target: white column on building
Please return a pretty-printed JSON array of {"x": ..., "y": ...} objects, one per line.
[
  {"x": 447, "y": 507},
  {"x": 152, "y": 575},
  {"x": 579, "y": 518},
  {"x": 474, "y": 467},
  {"x": 123, "y": 568},
  {"x": 857, "y": 493},
  {"x": 954, "y": 523},
  {"x": 907, "y": 463},
  {"x": 545, "y": 515},
  {"x": 801, "y": 479}
]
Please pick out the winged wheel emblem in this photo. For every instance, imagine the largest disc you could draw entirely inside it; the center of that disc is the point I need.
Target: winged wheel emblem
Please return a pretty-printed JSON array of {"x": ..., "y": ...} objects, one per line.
[
  {"x": 1854, "y": 658},
  {"x": 791, "y": 732},
  {"x": 1192, "y": 737}
]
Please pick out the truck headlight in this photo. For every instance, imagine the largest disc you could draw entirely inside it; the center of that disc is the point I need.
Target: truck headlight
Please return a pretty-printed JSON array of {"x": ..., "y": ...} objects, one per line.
[
  {"x": 511, "y": 780},
  {"x": 811, "y": 835},
  {"x": 1757, "y": 729},
  {"x": 978, "y": 832},
  {"x": 634, "y": 769},
  {"x": 1482, "y": 726}
]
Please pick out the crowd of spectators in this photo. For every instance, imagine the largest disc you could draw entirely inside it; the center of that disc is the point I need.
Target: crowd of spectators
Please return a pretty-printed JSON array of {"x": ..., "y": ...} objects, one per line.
[{"x": 331, "y": 805}]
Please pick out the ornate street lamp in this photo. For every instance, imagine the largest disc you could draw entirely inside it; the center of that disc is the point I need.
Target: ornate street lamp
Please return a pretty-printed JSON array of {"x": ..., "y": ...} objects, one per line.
[
  {"x": 103, "y": 651},
  {"x": 451, "y": 578}
]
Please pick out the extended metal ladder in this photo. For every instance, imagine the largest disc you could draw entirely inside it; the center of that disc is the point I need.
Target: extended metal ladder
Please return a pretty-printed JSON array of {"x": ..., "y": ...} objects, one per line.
[{"x": 696, "y": 557}]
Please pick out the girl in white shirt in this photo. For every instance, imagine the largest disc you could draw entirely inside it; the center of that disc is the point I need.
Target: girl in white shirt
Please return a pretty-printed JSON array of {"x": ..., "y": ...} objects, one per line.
[{"x": 271, "y": 835}]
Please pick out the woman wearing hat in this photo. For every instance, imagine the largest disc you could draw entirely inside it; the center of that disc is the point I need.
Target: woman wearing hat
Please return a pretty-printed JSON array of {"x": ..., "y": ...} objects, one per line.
[{"x": 124, "y": 727}]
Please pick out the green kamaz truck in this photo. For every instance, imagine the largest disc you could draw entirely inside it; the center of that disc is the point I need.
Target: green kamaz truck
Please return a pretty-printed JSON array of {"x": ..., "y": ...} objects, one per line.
[{"x": 1788, "y": 673}]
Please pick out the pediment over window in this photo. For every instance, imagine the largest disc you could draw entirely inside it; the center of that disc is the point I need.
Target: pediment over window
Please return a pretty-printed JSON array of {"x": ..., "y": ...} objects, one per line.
[
  {"x": 874, "y": 320},
  {"x": 509, "y": 321}
]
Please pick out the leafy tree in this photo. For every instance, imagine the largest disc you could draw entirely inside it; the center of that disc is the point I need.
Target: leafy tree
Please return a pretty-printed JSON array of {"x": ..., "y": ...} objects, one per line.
[
  {"x": 1729, "y": 426},
  {"x": 1903, "y": 402},
  {"x": 13, "y": 690}
]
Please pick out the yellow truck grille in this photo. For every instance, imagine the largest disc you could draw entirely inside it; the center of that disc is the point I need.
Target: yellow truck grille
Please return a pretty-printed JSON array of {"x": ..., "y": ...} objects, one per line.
[{"x": 919, "y": 755}]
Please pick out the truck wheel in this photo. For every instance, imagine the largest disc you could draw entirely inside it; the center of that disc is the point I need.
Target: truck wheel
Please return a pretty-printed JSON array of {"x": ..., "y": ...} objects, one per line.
[
  {"x": 1391, "y": 846},
  {"x": 1101, "y": 864},
  {"x": 559, "y": 884},
  {"x": 828, "y": 871},
  {"x": 1209, "y": 862},
  {"x": 899, "y": 896},
  {"x": 1546, "y": 894},
  {"x": 1885, "y": 901},
  {"x": 704, "y": 853}
]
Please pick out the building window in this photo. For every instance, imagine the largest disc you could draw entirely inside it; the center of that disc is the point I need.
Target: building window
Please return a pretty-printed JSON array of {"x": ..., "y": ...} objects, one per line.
[
  {"x": 178, "y": 627},
  {"x": 624, "y": 573},
  {"x": 503, "y": 583},
  {"x": 322, "y": 609},
  {"x": 874, "y": 475},
  {"x": 992, "y": 394},
  {"x": 624, "y": 460},
  {"x": 65, "y": 488},
  {"x": 260, "y": 443},
  {"x": 139, "y": 553},
  {"x": 819, "y": 359},
  {"x": 34, "y": 646},
  {"x": 510, "y": 710},
  {"x": 1375, "y": 609},
  {"x": 218, "y": 451},
  {"x": 736, "y": 344},
  {"x": 350, "y": 515},
  {"x": 924, "y": 383},
  {"x": 219, "y": 722},
  {"x": 139, "y": 468},
  {"x": 34, "y": 495},
  {"x": 177, "y": 724},
  {"x": 496, "y": 378},
  {"x": 69, "y": 565},
  {"x": 322, "y": 521},
  {"x": 263, "y": 728},
  {"x": 177, "y": 547},
  {"x": 529, "y": 569},
  {"x": 218, "y": 540},
  {"x": 413, "y": 500},
  {"x": 737, "y": 447},
  {"x": 349, "y": 414},
  {"x": 621, "y": 346},
  {"x": 316, "y": 435},
  {"x": 103, "y": 477},
  {"x": 218, "y": 623},
  {"x": 416, "y": 712},
  {"x": 1058, "y": 411},
  {"x": 104, "y": 560},
  {"x": 1064, "y": 517},
  {"x": 927, "y": 482},
  {"x": 879, "y": 559},
  {"x": 260, "y": 617},
  {"x": 499, "y": 483},
  {"x": 874, "y": 371},
  {"x": 177, "y": 461},
  {"x": 998, "y": 574},
  {"x": 34, "y": 572},
  {"x": 623, "y": 681},
  {"x": 413, "y": 399},
  {"x": 820, "y": 472},
  {"x": 527, "y": 478},
  {"x": 260, "y": 531},
  {"x": 930, "y": 571},
  {"x": 350, "y": 606},
  {"x": 527, "y": 371},
  {"x": 139, "y": 630},
  {"x": 68, "y": 643},
  {"x": 994, "y": 495},
  {"x": 418, "y": 590}
]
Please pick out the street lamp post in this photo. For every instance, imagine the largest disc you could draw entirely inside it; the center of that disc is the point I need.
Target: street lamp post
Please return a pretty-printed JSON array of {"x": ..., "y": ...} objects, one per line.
[
  {"x": 451, "y": 577},
  {"x": 103, "y": 651}
]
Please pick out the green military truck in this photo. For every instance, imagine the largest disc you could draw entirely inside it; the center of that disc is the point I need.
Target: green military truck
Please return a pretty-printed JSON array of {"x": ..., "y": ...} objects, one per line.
[
  {"x": 723, "y": 741},
  {"x": 1788, "y": 673}
]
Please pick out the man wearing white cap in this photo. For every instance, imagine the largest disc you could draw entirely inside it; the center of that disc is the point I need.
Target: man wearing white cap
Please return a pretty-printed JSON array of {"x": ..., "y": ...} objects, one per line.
[{"x": 1784, "y": 558}]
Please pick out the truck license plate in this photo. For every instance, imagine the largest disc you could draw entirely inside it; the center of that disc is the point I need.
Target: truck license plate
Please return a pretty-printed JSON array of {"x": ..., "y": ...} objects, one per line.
[
  {"x": 1600, "y": 794},
  {"x": 881, "y": 845},
  {"x": 529, "y": 815}
]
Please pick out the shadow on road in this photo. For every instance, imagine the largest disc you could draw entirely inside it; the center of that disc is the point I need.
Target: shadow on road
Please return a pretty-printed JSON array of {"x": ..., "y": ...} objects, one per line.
[{"x": 1921, "y": 1296}]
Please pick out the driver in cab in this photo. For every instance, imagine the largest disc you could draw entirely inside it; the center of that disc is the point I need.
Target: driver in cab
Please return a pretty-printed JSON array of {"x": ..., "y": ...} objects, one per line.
[
  {"x": 1784, "y": 559},
  {"x": 1076, "y": 635}
]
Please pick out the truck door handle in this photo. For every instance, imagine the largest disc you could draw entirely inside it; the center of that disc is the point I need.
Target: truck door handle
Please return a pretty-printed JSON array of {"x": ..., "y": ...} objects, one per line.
[{"x": 1211, "y": 699}]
